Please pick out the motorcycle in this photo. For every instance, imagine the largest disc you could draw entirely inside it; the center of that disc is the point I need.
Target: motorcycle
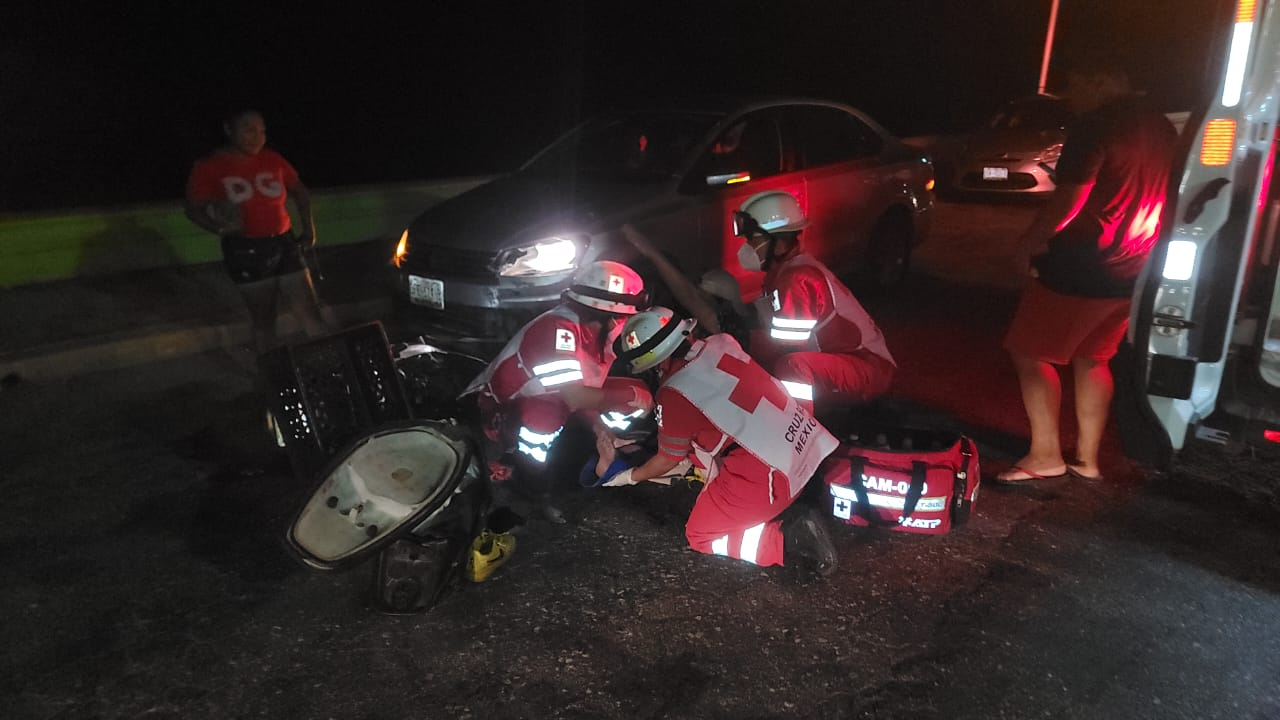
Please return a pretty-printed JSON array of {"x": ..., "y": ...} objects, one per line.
[{"x": 395, "y": 461}]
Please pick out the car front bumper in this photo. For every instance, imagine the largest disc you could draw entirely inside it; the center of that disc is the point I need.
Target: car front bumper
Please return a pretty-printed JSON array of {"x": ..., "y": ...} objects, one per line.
[
  {"x": 478, "y": 310},
  {"x": 1021, "y": 176}
]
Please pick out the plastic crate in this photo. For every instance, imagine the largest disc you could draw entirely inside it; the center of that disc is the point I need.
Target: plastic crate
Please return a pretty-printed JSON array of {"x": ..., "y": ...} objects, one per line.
[{"x": 327, "y": 392}]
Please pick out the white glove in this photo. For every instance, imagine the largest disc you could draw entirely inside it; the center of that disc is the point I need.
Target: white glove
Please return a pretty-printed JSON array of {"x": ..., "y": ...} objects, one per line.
[{"x": 622, "y": 478}]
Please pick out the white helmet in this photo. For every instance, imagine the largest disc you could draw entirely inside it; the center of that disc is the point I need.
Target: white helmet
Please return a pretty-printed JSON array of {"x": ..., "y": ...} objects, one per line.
[
  {"x": 773, "y": 211},
  {"x": 651, "y": 337},
  {"x": 609, "y": 286}
]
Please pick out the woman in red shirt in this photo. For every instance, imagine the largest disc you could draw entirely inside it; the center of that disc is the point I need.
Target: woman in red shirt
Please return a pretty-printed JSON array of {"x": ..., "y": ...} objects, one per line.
[{"x": 238, "y": 192}]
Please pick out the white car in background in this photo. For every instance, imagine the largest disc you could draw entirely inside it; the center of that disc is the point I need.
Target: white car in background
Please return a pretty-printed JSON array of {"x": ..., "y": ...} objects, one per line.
[{"x": 1016, "y": 150}]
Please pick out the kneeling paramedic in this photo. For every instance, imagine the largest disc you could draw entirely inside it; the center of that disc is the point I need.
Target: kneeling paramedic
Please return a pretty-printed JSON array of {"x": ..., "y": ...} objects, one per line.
[
  {"x": 757, "y": 446},
  {"x": 558, "y": 364},
  {"x": 821, "y": 343}
]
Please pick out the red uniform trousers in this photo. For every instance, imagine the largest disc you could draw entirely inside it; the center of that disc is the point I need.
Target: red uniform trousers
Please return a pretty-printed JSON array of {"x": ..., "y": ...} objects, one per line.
[
  {"x": 532, "y": 424},
  {"x": 733, "y": 515},
  {"x": 836, "y": 377}
]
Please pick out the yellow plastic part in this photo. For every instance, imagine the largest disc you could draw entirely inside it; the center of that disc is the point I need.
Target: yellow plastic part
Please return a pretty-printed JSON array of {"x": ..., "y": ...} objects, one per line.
[{"x": 488, "y": 553}]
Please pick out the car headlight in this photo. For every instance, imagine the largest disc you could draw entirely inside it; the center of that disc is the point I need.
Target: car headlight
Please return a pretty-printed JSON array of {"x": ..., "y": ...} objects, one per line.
[{"x": 545, "y": 257}]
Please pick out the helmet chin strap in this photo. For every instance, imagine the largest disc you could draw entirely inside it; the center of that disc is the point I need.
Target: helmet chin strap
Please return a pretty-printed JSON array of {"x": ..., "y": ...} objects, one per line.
[
  {"x": 771, "y": 243},
  {"x": 772, "y": 247}
]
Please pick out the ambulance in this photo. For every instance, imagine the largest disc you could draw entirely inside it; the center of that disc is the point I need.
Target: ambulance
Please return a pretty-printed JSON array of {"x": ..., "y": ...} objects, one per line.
[{"x": 1201, "y": 363}]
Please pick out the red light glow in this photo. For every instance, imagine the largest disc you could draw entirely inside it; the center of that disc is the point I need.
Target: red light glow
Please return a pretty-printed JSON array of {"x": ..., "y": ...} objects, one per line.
[
  {"x": 1146, "y": 224},
  {"x": 1271, "y": 435}
]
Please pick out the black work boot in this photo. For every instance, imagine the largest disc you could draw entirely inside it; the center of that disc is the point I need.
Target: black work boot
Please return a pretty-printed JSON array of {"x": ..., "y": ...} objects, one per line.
[{"x": 805, "y": 542}]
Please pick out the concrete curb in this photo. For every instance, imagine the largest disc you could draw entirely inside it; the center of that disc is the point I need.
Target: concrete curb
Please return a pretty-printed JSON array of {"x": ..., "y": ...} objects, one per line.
[{"x": 61, "y": 360}]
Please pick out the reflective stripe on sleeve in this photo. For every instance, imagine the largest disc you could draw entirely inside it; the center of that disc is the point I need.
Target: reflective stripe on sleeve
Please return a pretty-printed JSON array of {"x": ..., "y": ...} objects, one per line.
[
  {"x": 789, "y": 335},
  {"x": 532, "y": 451},
  {"x": 558, "y": 372},
  {"x": 799, "y": 391},
  {"x": 536, "y": 444},
  {"x": 791, "y": 329},
  {"x": 556, "y": 366},
  {"x": 673, "y": 446},
  {"x": 561, "y": 378},
  {"x": 794, "y": 323},
  {"x": 538, "y": 438},
  {"x": 615, "y": 420}
]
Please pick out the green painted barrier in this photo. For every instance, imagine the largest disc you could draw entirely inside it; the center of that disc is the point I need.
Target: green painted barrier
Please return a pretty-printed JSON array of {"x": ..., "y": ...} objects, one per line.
[{"x": 42, "y": 247}]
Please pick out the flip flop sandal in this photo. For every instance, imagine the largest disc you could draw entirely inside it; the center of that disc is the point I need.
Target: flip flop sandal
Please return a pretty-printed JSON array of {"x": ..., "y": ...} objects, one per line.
[
  {"x": 1081, "y": 476},
  {"x": 1026, "y": 476}
]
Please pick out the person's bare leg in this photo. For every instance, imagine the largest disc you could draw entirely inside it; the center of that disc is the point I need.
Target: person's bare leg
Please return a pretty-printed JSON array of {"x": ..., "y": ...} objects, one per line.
[
  {"x": 1094, "y": 387},
  {"x": 261, "y": 297},
  {"x": 304, "y": 303},
  {"x": 1042, "y": 398}
]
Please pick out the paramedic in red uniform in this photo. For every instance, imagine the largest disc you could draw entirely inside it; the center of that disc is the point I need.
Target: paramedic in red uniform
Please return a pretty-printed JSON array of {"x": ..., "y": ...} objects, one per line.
[
  {"x": 558, "y": 364},
  {"x": 238, "y": 193},
  {"x": 756, "y": 446},
  {"x": 820, "y": 341}
]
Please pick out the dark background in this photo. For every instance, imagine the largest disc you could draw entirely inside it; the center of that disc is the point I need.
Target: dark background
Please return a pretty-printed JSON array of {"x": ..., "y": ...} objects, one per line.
[{"x": 110, "y": 104}]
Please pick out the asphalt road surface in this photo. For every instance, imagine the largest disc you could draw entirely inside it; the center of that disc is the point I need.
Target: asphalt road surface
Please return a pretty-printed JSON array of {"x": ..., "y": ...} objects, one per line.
[{"x": 143, "y": 571}]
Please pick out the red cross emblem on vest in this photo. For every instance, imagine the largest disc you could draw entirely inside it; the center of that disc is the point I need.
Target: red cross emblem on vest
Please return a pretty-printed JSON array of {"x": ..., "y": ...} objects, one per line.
[
  {"x": 565, "y": 341},
  {"x": 748, "y": 395}
]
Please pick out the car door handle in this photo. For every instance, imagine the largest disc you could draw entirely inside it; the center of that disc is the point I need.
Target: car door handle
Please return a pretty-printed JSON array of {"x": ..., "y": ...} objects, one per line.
[
  {"x": 1171, "y": 321},
  {"x": 1202, "y": 198}
]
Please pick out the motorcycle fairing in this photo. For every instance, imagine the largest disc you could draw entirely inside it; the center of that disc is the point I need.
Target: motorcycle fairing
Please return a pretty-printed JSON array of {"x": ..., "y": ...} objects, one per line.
[{"x": 393, "y": 481}]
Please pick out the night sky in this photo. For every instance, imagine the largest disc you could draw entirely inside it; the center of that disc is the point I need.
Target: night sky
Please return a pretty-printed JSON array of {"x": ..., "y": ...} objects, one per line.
[{"x": 111, "y": 104}]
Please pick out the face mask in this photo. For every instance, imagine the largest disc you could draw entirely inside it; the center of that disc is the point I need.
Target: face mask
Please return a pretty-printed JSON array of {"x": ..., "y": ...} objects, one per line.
[{"x": 749, "y": 258}]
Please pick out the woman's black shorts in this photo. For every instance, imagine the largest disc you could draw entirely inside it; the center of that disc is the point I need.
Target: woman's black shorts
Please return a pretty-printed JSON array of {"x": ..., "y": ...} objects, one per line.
[{"x": 252, "y": 259}]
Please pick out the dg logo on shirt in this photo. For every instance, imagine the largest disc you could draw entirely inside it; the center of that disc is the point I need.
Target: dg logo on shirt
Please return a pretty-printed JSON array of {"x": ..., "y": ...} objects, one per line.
[{"x": 238, "y": 189}]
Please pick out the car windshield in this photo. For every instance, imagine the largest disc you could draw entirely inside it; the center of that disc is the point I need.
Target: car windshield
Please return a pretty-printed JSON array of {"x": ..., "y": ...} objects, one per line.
[
  {"x": 626, "y": 147},
  {"x": 1037, "y": 115}
]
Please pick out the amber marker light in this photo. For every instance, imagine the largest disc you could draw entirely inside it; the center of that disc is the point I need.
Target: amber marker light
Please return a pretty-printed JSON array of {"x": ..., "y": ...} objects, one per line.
[
  {"x": 1219, "y": 136},
  {"x": 402, "y": 248}
]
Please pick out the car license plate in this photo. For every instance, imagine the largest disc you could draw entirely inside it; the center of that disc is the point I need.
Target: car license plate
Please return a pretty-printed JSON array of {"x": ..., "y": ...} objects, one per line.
[
  {"x": 995, "y": 173},
  {"x": 426, "y": 291}
]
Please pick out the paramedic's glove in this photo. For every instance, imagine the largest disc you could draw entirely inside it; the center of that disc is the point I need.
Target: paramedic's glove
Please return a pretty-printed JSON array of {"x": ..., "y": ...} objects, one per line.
[{"x": 619, "y": 479}]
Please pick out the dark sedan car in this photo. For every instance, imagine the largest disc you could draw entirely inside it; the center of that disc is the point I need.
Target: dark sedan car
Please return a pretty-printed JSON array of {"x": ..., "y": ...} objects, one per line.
[{"x": 483, "y": 262}]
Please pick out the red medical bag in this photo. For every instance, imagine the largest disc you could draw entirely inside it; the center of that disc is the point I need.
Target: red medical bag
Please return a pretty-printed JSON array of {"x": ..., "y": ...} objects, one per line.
[{"x": 910, "y": 480}]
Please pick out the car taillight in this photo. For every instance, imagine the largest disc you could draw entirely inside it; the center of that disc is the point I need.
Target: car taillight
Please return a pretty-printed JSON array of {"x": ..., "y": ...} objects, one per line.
[
  {"x": 1219, "y": 137},
  {"x": 1271, "y": 435}
]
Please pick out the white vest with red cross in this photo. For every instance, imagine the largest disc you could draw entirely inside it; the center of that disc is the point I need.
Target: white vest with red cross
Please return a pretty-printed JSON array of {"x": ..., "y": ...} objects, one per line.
[
  {"x": 525, "y": 369},
  {"x": 823, "y": 334},
  {"x": 752, "y": 407}
]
